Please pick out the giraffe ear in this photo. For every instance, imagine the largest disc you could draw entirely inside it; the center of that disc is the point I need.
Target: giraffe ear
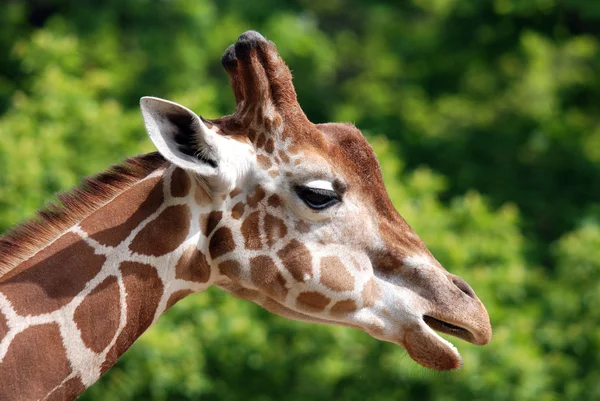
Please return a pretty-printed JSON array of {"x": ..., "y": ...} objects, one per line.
[{"x": 181, "y": 136}]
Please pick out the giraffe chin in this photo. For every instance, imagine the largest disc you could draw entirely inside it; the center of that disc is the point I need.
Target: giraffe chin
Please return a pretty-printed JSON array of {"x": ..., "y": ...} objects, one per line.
[{"x": 430, "y": 350}]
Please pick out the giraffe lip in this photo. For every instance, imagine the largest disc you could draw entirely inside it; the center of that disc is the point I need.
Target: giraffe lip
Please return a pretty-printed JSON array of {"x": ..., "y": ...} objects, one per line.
[{"x": 449, "y": 328}]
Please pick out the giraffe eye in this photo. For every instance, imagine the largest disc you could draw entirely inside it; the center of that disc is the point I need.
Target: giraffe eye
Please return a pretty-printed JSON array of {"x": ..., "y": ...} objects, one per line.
[{"x": 317, "y": 198}]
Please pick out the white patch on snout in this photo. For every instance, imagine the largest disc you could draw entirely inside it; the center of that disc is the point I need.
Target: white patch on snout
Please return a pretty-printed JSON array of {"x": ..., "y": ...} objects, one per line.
[
  {"x": 415, "y": 261},
  {"x": 320, "y": 184}
]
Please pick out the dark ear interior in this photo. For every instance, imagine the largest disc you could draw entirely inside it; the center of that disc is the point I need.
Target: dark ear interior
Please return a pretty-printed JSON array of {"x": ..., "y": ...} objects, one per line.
[{"x": 187, "y": 138}]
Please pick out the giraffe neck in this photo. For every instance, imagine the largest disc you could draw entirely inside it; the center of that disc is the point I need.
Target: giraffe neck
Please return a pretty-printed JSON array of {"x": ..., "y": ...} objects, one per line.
[{"x": 80, "y": 301}]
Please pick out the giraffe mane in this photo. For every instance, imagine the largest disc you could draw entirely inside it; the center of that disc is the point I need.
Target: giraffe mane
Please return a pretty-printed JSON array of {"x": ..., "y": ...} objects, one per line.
[{"x": 71, "y": 207}]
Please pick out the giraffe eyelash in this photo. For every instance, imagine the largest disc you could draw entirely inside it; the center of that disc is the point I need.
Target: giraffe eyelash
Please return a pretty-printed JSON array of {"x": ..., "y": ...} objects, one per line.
[{"x": 317, "y": 198}]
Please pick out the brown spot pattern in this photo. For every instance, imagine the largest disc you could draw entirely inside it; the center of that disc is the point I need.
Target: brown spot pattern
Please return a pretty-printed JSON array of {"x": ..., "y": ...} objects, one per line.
[
  {"x": 345, "y": 306},
  {"x": 313, "y": 300},
  {"x": 270, "y": 146},
  {"x": 267, "y": 277},
  {"x": 221, "y": 243},
  {"x": 144, "y": 290},
  {"x": 36, "y": 346},
  {"x": 3, "y": 326},
  {"x": 235, "y": 192},
  {"x": 302, "y": 226},
  {"x": 264, "y": 162},
  {"x": 275, "y": 201},
  {"x": 53, "y": 276},
  {"x": 260, "y": 141},
  {"x": 203, "y": 222},
  {"x": 284, "y": 157},
  {"x": 213, "y": 219},
  {"x": 251, "y": 232},
  {"x": 275, "y": 229},
  {"x": 180, "y": 183},
  {"x": 297, "y": 259},
  {"x": 192, "y": 266},
  {"x": 252, "y": 135},
  {"x": 370, "y": 293},
  {"x": 165, "y": 233},
  {"x": 103, "y": 301},
  {"x": 238, "y": 210},
  {"x": 230, "y": 268},
  {"x": 334, "y": 274},
  {"x": 178, "y": 296},
  {"x": 256, "y": 197},
  {"x": 111, "y": 224}
]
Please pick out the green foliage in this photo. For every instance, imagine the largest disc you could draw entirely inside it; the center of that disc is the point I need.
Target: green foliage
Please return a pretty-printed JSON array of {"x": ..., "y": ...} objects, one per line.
[{"x": 485, "y": 119}]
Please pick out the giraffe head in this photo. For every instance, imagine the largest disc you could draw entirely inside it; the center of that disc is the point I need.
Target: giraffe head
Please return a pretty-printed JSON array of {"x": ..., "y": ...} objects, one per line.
[{"x": 300, "y": 220}]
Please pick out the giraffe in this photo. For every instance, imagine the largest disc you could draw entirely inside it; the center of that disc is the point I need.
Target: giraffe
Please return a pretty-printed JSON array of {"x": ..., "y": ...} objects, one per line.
[{"x": 264, "y": 204}]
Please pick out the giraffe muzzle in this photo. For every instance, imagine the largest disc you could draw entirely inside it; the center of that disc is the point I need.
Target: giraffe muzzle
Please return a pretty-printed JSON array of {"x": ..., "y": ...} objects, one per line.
[
  {"x": 439, "y": 302},
  {"x": 457, "y": 313}
]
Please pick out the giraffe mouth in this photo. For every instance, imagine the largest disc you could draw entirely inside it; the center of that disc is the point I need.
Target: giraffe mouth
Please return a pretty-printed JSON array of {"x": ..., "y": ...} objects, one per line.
[
  {"x": 426, "y": 347},
  {"x": 449, "y": 328}
]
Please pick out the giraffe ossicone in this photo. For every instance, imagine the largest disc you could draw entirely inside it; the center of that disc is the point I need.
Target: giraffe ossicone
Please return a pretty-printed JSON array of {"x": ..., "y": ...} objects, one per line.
[{"x": 262, "y": 203}]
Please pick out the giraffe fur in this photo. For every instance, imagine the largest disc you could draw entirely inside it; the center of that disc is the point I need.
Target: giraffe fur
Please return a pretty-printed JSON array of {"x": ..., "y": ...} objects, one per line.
[{"x": 263, "y": 204}]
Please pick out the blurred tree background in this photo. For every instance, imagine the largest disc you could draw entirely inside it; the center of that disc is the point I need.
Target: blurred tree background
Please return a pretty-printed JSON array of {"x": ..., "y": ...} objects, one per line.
[{"x": 486, "y": 119}]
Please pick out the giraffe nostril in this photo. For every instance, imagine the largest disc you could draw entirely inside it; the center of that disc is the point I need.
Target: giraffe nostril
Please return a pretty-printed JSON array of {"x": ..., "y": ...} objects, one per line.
[{"x": 463, "y": 286}]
